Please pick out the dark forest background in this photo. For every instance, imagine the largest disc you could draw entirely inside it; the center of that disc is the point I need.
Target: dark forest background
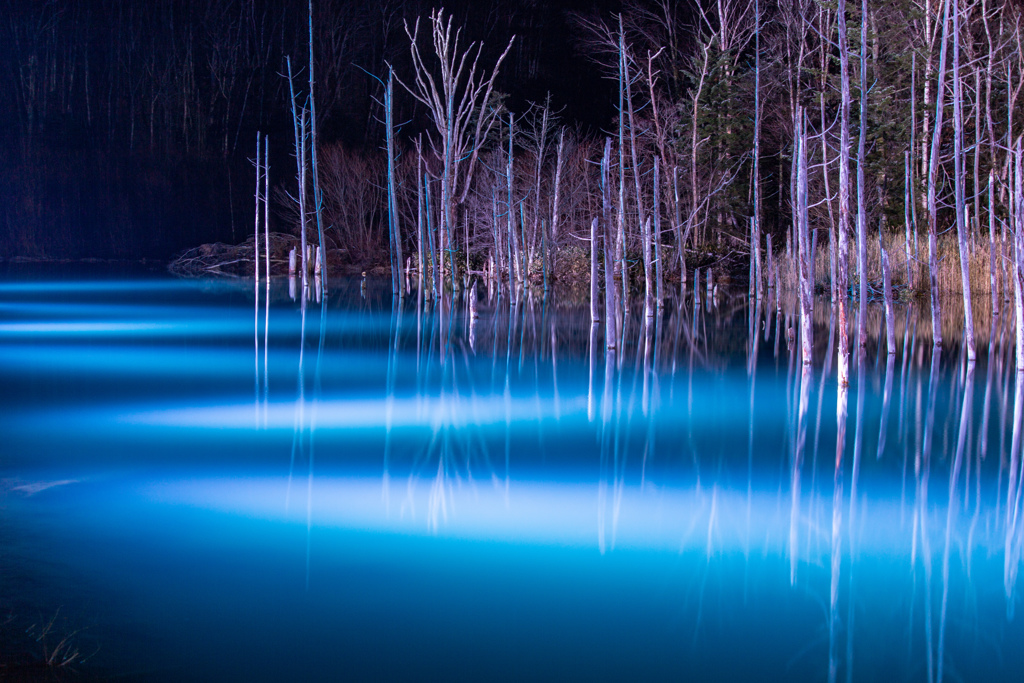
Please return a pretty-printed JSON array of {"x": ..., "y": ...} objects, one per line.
[{"x": 127, "y": 128}]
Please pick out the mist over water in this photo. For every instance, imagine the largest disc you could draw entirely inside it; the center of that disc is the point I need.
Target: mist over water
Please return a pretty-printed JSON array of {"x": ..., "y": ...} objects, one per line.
[{"x": 199, "y": 481}]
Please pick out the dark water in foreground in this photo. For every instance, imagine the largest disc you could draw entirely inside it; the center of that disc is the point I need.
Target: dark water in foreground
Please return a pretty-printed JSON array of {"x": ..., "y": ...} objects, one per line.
[{"x": 356, "y": 492}]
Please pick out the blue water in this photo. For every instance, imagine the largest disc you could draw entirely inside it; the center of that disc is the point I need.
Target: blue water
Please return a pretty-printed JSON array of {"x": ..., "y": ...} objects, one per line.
[{"x": 196, "y": 485}]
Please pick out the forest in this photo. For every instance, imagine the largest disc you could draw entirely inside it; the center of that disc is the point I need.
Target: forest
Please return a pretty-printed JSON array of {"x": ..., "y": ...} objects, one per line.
[{"x": 861, "y": 147}]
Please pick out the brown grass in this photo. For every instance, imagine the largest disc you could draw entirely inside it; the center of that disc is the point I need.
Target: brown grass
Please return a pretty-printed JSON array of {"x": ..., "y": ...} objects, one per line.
[{"x": 949, "y": 279}]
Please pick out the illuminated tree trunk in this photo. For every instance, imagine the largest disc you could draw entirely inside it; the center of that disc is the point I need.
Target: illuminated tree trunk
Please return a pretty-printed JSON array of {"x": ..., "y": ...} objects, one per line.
[
  {"x": 959, "y": 181},
  {"x": 862, "y": 220},
  {"x": 933, "y": 174},
  {"x": 843, "y": 367}
]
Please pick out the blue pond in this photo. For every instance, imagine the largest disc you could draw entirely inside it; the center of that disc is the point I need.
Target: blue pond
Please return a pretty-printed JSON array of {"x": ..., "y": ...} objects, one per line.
[{"x": 199, "y": 481}]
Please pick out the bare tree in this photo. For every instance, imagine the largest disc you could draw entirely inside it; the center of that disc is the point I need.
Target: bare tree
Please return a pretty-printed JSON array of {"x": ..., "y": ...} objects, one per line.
[{"x": 459, "y": 102}]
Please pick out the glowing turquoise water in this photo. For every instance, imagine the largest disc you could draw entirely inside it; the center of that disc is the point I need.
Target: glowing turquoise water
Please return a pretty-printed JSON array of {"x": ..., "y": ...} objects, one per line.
[{"x": 359, "y": 492}]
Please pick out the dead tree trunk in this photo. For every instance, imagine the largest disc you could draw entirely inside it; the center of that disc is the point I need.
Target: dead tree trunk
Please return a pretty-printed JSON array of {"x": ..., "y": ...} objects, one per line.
[
  {"x": 393, "y": 230},
  {"x": 1017, "y": 266},
  {"x": 610, "y": 309},
  {"x": 256, "y": 233},
  {"x": 843, "y": 367},
  {"x": 317, "y": 196},
  {"x": 300, "y": 147},
  {"x": 933, "y": 180},
  {"x": 556, "y": 208},
  {"x": 862, "y": 219},
  {"x": 805, "y": 262},
  {"x": 958, "y": 182},
  {"x": 595, "y": 314},
  {"x": 420, "y": 275},
  {"x": 755, "y": 227},
  {"x": 890, "y": 333}
]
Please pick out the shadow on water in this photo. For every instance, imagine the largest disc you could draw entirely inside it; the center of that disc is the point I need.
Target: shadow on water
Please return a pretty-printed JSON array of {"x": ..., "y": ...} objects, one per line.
[{"x": 506, "y": 472}]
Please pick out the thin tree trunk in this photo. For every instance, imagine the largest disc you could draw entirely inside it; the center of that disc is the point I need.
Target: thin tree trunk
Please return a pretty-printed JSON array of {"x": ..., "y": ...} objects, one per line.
[
  {"x": 556, "y": 208},
  {"x": 656, "y": 237},
  {"x": 510, "y": 215},
  {"x": 300, "y": 146},
  {"x": 679, "y": 226},
  {"x": 933, "y": 173},
  {"x": 540, "y": 167},
  {"x": 1017, "y": 265},
  {"x": 419, "y": 213},
  {"x": 256, "y": 233},
  {"x": 906, "y": 215},
  {"x": 620, "y": 238},
  {"x": 862, "y": 219},
  {"x": 640, "y": 213},
  {"x": 610, "y": 309},
  {"x": 825, "y": 55},
  {"x": 890, "y": 332},
  {"x": 317, "y": 197},
  {"x": 843, "y": 366},
  {"x": 393, "y": 230},
  {"x": 805, "y": 256},
  {"x": 435, "y": 255},
  {"x": 266, "y": 202},
  {"x": 912, "y": 197},
  {"x": 595, "y": 314},
  {"x": 993, "y": 286},
  {"x": 959, "y": 181},
  {"x": 755, "y": 229}
]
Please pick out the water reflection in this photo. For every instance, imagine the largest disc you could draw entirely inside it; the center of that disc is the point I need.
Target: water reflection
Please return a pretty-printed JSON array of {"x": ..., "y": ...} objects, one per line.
[{"x": 695, "y": 437}]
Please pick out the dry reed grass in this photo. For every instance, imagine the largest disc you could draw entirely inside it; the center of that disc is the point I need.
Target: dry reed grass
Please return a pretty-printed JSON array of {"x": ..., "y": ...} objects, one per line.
[{"x": 916, "y": 290}]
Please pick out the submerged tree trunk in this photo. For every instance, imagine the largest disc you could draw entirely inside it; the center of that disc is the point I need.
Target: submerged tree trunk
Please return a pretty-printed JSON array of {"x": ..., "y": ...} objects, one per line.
[
  {"x": 959, "y": 181},
  {"x": 420, "y": 276},
  {"x": 610, "y": 309},
  {"x": 300, "y": 146},
  {"x": 890, "y": 333},
  {"x": 843, "y": 367},
  {"x": 755, "y": 227},
  {"x": 933, "y": 173},
  {"x": 256, "y": 233},
  {"x": 555, "y": 209},
  {"x": 862, "y": 219},
  {"x": 317, "y": 196},
  {"x": 656, "y": 237},
  {"x": 1017, "y": 266},
  {"x": 805, "y": 256}
]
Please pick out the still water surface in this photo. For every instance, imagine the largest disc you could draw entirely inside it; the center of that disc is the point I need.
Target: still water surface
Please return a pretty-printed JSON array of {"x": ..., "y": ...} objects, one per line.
[{"x": 199, "y": 485}]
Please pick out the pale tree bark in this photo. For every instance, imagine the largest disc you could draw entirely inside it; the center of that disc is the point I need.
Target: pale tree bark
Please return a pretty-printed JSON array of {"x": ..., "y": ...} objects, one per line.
[
  {"x": 556, "y": 208},
  {"x": 805, "y": 254},
  {"x": 458, "y": 101},
  {"x": 862, "y": 219},
  {"x": 393, "y": 228},
  {"x": 419, "y": 214},
  {"x": 933, "y": 173},
  {"x": 1017, "y": 267},
  {"x": 825, "y": 24},
  {"x": 610, "y": 308},
  {"x": 755, "y": 227},
  {"x": 595, "y": 315},
  {"x": 993, "y": 283},
  {"x": 300, "y": 154},
  {"x": 890, "y": 332},
  {"x": 317, "y": 196},
  {"x": 256, "y": 233},
  {"x": 620, "y": 236},
  {"x": 843, "y": 367},
  {"x": 640, "y": 213},
  {"x": 958, "y": 182}
]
